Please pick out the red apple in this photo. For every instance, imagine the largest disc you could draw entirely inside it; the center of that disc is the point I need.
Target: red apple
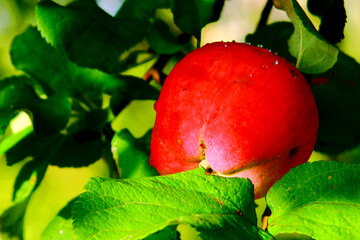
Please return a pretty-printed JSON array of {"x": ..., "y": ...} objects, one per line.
[{"x": 246, "y": 111}]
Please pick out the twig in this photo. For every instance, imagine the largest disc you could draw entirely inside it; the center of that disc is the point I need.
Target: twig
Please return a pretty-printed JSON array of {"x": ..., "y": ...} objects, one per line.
[{"x": 265, "y": 14}]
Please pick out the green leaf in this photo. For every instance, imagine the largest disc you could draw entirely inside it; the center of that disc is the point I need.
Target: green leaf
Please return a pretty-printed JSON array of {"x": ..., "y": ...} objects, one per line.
[
  {"x": 48, "y": 116},
  {"x": 191, "y": 16},
  {"x": 12, "y": 220},
  {"x": 162, "y": 40},
  {"x": 73, "y": 150},
  {"x": 60, "y": 226},
  {"x": 11, "y": 140},
  {"x": 33, "y": 146},
  {"x": 141, "y": 9},
  {"x": 337, "y": 96},
  {"x": 15, "y": 95},
  {"x": 132, "y": 155},
  {"x": 27, "y": 181},
  {"x": 275, "y": 38},
  {"x": 319, "y": 199},
  {"x": 313, "y": 53},
  {"x": 53, "y": 70},
  {"x": 90, "y": 37},
  {"x": 136, "y": 208},
  {"x": 135, "y": 88}
]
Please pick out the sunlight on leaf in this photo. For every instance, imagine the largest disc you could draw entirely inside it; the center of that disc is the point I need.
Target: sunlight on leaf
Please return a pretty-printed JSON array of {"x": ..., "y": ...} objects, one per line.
[
  {"x": 139, "y": 207},
  {"x": 132, "y": 154},
  {"x": 319, "y": 199},
  {"x": 313, "y": 53}
]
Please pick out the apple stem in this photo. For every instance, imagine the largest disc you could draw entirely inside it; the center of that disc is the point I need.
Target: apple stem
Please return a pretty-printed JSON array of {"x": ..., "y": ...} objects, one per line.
[{"x": 204, "y": 164}]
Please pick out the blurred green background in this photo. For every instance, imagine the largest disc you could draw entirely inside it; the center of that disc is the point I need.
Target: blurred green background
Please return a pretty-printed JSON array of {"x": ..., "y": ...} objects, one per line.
[{"x": 239, "y": 17}]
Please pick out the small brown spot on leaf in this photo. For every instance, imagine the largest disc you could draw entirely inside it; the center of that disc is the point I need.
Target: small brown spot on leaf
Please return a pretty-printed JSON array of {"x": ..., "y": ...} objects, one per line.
[
  {"x": 219, "y": 201},
  {"x": 329, "y": 177},
  {"x": 239, "y": 212}
]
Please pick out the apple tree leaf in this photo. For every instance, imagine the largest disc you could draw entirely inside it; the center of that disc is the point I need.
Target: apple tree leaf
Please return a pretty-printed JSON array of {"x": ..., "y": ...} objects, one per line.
[
  {"x": 27, "y": 181},
  {"x": 132, "y": 155},
  {"x": 139, "y": 207},
  {"x": 336, "y": 93},
  {"x": 313, "y": 53},
  {"x": 48, "y": 115},
  {"x": 141, "y": 9},
  {"x": 63, "y": 150},
  {"x": 319, "y": 199},
  {"x": 15, "y": 95},
  {"x": 191, "y": 16},
  {"x": 90, "y": 37},
  {"x": 12, "y": 139},
  {"x": 56, "y": 73},
  {"x": 162, "y": 40},
  {"x": 12, "y": 219},
  {"x": 60, "y": 227}
]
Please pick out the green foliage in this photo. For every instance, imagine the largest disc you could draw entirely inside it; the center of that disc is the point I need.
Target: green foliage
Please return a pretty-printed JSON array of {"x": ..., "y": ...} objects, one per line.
[
  {"x": 85, "y": 32},
  {"x": 60, "y": 227},
  {"x": 313, "y": 53},
  {"x": 81, "y": 67},
  {"x": 191, "y": 16},
  {"x": 336, "y": 93},
  {"x": 132, "y": 154},
  {"x": 28, "y": 180},
  {"x": 49, "y": 115},
  {"x": 162, "y": 40},
  {"x": 215, "y": 206},
  {"x": 320, "y": 199}
]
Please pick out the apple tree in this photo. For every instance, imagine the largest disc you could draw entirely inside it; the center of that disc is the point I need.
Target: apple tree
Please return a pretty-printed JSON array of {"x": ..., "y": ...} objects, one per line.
[{"x": 79, "y": 67}]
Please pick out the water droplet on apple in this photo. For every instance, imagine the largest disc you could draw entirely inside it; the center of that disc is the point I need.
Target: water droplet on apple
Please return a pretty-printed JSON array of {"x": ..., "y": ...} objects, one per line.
[
  {"x": 250, "y": 75},
  {"x": 260, "y": 45},
  {"x": 264, "y": 66},
  {"x": 276, "y": 62},
  {"x": 225, "y": 45}
]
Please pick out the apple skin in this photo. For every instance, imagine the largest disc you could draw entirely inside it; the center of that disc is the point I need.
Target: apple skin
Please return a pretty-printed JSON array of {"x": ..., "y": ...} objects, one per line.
[{"x": 246, "y": 111}]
